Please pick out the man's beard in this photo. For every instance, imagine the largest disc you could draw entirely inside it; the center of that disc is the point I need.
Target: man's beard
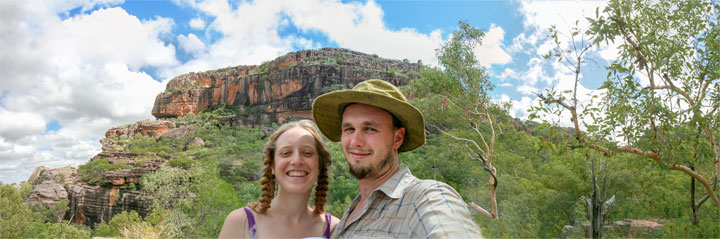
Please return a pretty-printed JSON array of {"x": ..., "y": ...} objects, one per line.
[{"x": 361, "y": 172}]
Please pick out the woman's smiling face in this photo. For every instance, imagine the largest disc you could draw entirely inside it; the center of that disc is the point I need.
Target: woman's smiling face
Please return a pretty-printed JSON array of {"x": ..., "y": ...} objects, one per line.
[{"x": 296, "y": 161}]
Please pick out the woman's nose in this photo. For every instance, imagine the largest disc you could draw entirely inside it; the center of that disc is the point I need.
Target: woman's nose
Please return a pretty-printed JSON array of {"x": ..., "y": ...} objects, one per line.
[{"x": 296, "y": 159}]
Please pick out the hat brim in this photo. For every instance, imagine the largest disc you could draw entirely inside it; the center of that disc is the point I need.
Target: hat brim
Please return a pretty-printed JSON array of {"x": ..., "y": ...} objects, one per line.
[{"x": 328, "y": 108}]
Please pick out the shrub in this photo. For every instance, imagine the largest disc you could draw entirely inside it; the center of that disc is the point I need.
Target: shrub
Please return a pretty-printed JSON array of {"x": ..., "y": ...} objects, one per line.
[
  {"x": 144, "y": 230},
  {"x": 118, "y": 222},
  {"x": 182, "y": 162},
  {"x": 92, "y": 172}
]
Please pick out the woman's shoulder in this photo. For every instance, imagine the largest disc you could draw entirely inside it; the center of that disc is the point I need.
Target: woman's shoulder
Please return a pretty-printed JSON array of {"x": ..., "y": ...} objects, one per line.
[
  {"x": 333, "y": 222},
  {"x": 236, "y": 225},
  {"x": 238, "y": 215}
]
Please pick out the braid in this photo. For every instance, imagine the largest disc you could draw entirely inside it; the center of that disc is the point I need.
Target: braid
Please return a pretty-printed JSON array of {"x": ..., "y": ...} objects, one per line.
[
  {"x": 268, "y": 190},
  {"x": 322, "y": 187}
]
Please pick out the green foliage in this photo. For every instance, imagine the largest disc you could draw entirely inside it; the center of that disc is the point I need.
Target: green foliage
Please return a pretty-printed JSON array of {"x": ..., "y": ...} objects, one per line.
[
  {"x": 116, "y": 224},
  {"x": 333, "y": 87},
  {"x": 221, "y": 110},
  {"x": 15, "y": 218},
  {"x": 148, "y": 144},
  {"x": 54, "y": 213},
  {"x": 214, "y": 200},
  {"x": 181, "y": 162},
  {"x": 19, "y": 221},
  {"x": 251, "y": 110},
  {"x": 167, "y": 188},
  {"x": 145, "y": 230},
  {"x": 92, "y": 172}
]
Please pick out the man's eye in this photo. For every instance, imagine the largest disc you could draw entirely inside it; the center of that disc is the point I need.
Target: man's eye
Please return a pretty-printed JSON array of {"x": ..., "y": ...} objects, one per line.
[
  {"x": 371, "y": 130},
  {"x": 348, "y": 129}
]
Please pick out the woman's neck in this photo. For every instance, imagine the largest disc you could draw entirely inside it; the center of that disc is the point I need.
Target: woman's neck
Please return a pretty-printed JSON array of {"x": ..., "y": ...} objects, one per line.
[{"x": 292, "y": 206}]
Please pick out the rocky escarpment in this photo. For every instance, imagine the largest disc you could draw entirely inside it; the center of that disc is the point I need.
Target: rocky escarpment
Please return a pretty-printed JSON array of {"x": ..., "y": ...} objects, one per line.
[
  {"x": 116, "y": 190},
  {"x": 279, "y": 89}
]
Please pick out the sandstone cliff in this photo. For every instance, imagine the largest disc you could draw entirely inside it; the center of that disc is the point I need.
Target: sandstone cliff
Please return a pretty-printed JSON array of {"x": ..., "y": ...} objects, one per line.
[
  {"x": 281, "y": 88},
  {"x": 115, "y": 193}
]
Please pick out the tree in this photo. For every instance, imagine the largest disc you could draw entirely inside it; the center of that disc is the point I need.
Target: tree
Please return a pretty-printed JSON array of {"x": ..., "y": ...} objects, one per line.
[
  {"x": 661, "y": 94},
  {"x": 168, "y": 191},
  {"x": 455, "y": 101}
]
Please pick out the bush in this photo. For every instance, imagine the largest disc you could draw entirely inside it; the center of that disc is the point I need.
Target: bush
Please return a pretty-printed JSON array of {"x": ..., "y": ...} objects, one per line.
[
  {"x": 182, "y": 162},
  {"x": 92, "y": 172},
  {"x": 145, "y": 230},
  {"x": 118, "y": 222}
]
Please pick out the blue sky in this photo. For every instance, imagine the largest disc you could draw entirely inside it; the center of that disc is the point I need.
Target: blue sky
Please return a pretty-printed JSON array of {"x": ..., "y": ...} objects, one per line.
[{"x": 70, "y": 70}]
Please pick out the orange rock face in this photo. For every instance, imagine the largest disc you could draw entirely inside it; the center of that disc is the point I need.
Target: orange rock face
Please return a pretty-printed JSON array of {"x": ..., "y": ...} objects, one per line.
[{"x": 280, "y": 88}]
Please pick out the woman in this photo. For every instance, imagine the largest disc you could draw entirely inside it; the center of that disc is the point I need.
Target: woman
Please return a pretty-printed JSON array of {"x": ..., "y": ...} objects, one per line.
[{"x": 295, "y": 158}]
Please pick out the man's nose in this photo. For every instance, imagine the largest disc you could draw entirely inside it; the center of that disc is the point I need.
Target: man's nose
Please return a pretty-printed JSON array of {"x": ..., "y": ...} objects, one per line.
[{"x": 357, "y": 140}]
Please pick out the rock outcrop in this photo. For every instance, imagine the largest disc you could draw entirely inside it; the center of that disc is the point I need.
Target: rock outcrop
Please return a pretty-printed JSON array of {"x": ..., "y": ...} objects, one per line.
[
  {"x": 280, "y": 89},
  {"x": 626, "y": 228}
]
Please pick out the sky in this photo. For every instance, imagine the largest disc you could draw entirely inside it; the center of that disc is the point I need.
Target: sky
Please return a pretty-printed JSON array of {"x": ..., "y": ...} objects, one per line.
[{"x": 70, "y": 70}]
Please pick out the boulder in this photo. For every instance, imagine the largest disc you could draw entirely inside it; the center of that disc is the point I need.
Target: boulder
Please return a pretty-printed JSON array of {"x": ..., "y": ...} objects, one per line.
[
  {"x": 178, "y": 133},
  {"x": 47, "y": 193}
]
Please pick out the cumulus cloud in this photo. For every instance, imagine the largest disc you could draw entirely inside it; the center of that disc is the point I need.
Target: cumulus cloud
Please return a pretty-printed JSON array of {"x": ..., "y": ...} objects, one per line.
[
  {"x": 190, "y": 43},
  {"x": 83, "y": 71},
  {"x": 16, "y": 125},
  {"x": 197, "y": 23},
  {"x": 255, "y": 26},
  {"x": 491, "y": 51},
  {"x": 360, "y": 27}
]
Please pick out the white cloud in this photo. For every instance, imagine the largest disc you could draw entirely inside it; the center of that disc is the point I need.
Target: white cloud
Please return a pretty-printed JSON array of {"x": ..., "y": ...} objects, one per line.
[
  {"x": 360, "y": 27},
  {"x": 190, "y": 43},
  {"x": 508, "y": 72},
  {"x": 491, "y": 50},
  {"x": 16, "y": 125},
  {"x": 82, "y": 71},
  {"x": 197, "y": 23},
  {"x": 256, "y": 25}
]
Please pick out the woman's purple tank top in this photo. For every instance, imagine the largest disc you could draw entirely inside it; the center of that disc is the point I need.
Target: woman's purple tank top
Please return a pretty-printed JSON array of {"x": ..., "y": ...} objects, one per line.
[{"x": 253, "y": 231}]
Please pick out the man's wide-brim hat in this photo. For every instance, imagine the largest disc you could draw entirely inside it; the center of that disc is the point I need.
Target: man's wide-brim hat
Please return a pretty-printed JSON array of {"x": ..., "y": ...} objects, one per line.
[{"x": 327, "y": 110}]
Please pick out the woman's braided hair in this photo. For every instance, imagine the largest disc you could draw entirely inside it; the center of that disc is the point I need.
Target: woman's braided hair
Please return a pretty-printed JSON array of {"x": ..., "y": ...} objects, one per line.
[{"x": 268, "y": 179}]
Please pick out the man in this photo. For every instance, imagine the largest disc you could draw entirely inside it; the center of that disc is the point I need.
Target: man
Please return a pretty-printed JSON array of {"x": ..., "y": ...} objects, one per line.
[{"x": 374, "y": 123}]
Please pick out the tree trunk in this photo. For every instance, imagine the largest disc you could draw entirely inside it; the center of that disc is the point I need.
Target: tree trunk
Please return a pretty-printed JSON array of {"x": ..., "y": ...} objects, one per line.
[
  {"x": 693, "y": 205},
  {"x": 596, "y": 220}
]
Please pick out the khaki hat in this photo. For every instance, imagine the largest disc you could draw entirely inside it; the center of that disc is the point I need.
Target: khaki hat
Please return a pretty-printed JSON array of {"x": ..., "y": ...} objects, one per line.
[{"x": 328, "y": 108}]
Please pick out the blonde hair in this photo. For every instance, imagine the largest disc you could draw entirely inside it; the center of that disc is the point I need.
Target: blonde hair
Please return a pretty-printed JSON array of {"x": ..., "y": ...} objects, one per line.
[{"x": 268, "y": 179}]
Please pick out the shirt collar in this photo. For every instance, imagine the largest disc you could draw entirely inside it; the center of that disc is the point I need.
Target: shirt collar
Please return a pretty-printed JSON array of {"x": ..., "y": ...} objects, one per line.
[{"x": 395, "y": 185}]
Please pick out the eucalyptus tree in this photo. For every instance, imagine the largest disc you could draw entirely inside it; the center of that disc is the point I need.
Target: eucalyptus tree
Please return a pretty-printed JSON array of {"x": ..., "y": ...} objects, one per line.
[
  {"x": 455, "y": 102},
  {"x": 661, "y": 96}
]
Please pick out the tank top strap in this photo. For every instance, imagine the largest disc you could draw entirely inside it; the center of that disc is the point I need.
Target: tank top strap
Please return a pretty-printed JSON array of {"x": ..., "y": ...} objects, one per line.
[
  {"x": 327, "y": 231},
  {"x": 251, "y": 223}
]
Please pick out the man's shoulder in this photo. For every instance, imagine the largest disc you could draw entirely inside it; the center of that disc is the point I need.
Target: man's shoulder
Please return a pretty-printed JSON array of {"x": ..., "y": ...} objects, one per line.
[{"x": 429, "y": 187}]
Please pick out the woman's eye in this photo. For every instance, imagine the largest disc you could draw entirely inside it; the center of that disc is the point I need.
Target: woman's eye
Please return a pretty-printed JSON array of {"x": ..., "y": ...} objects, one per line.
[
  {"x": 285, "y": 153},
  {"x": 308, "y": 153}
]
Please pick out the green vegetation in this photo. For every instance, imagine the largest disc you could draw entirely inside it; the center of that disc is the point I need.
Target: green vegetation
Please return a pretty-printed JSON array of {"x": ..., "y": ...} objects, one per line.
[
  {"x": 20, "y": 221},
  {"x": 333, "y": 87},
  {"x": 92, "y": 172}
]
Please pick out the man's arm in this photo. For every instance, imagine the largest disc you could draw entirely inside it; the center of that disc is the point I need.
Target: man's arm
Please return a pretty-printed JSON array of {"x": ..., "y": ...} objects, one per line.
[{"x": 442, "y": 213}]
